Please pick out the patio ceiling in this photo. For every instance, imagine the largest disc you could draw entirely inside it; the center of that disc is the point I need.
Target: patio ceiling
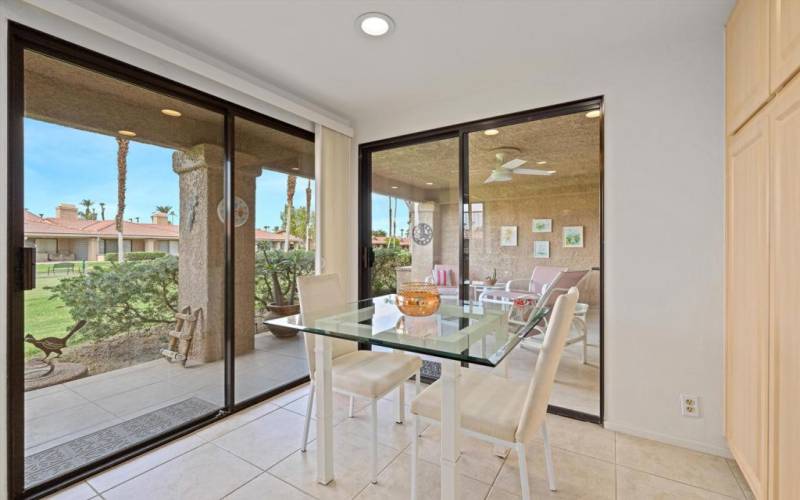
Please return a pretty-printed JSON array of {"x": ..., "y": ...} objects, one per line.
[
  {"x": 69, "y": 95},
  {"x": 569, "y": 144}
]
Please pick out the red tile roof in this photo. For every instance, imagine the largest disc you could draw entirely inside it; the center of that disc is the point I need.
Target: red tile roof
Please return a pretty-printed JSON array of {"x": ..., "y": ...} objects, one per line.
[{"x": 55, "y": 227}]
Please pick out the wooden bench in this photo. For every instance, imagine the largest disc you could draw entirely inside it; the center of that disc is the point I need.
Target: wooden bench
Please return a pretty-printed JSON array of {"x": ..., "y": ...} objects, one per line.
[{"x": 69, "y": 267}]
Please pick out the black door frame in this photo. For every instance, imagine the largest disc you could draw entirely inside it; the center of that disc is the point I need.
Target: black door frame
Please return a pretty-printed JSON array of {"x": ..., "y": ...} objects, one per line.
[
  {"x": 21, "y": 38},
  {"x": 462, "y": 131}
]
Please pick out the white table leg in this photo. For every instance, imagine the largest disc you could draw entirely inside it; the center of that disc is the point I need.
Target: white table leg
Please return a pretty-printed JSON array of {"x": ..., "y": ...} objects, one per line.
[
  {"x": 324, "y": 387},
  {"x": 451, "y": 429}
]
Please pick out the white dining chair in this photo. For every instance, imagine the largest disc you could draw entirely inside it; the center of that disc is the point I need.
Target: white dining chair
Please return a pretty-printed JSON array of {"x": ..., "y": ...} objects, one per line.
[
  {"x": 365, "y": 374},
  {"x": 502, "y": 411}
]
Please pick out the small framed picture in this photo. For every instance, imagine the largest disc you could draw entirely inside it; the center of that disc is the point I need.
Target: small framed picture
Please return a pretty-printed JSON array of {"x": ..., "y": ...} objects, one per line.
[
  {"x": 573, "y": 237},
  {"x": 508, "y": 236},
  {"x": 542, "y": 225},
  {"x": 541, "y": 249}
]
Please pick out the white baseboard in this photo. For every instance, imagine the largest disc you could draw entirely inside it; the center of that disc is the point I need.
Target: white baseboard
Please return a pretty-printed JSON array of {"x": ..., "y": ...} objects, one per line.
[{"x": 664, "y": 438}]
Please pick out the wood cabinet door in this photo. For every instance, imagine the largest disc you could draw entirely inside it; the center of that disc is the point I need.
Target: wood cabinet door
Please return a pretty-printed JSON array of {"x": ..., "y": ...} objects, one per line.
[
  {"x": 747, "y": 301},
  {"x": 746, "y": 61},
  {"x": 785, "y": 301},
  {"x": 784, "y": 42}
]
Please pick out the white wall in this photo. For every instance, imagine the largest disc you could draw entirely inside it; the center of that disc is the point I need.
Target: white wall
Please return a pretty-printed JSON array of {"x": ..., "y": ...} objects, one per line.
[{"x": 664, "y": 146}]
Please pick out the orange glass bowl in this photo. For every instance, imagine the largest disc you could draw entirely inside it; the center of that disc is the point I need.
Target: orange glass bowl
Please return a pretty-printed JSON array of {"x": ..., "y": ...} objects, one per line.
[{"x": 418, "y": 299}]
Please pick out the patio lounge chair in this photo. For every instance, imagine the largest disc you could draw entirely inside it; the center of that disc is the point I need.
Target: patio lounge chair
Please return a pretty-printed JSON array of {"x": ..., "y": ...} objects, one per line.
[
  {"x": 445, "y": 277},
  {"x": 541, "y": 278}
]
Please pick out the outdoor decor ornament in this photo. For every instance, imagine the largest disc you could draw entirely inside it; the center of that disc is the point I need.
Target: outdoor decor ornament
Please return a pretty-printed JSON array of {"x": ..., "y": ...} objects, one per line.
[
  {"x": 50, "y": 345},
  {"x": 240, "y": 211},
  {"x": 422, "y": 233}
]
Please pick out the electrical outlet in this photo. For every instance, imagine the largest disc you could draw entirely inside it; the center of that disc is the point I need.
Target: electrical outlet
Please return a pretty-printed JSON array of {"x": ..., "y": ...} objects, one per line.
[{"x": 690, "y": 405}]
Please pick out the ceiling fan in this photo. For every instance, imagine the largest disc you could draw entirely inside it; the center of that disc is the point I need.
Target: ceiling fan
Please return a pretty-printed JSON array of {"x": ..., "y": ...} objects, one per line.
[{"x": 505, "y": 169}]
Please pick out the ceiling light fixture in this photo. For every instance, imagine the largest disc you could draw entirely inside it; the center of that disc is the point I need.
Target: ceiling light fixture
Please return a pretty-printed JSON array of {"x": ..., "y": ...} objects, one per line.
[
  {"x": 295, "y": 168},
  {"x": 491, "y": 131},
  {"x": 429, "y": 184},
  {"x": 171, "y": 112},
  {"x": 375, "y": 24},
  {"x": 541, "y": 162},
  {"x": 126, "y": 133},
  {"x": 394, "y": 187},
  {"x": 595, "y": 113}
]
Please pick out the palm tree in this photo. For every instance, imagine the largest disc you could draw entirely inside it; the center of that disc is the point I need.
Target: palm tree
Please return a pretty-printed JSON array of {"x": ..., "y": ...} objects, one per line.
[
  {"x": 102, "y": 211},
  {"x": 166, "y": 209},
  {"x": 308, "y": 213},
  {"x": 122, "y": 172},
  {"x": 88, "y": 213},
  {"x": 291, "y": 186}
]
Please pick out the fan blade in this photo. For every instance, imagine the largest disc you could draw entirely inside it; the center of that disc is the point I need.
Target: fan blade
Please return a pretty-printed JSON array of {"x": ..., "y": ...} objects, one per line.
[
  {"x": 533, "y": 171},
  {"x": 511, "y": 165}
]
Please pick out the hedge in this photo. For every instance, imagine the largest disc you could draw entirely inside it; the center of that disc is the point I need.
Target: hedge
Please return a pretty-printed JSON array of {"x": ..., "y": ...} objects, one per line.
[{"x": 135, "y": 256}]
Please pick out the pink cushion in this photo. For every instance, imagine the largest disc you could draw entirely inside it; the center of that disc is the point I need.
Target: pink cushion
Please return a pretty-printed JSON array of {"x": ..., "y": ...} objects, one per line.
[{"x": 441, "y": 277}]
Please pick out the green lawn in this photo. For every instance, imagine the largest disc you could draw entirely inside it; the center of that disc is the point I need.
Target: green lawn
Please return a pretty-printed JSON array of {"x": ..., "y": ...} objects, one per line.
[{"x": 46, "y": 316}]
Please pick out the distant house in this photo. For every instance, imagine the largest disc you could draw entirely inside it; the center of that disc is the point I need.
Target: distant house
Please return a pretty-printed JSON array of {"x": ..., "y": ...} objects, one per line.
[
  {"x": 383, "y": 242},
  {"x": 68, "y": 237}
]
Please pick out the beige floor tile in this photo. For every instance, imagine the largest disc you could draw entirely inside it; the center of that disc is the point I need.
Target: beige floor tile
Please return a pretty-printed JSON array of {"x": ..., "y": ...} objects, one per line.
[
  {"x": 577, "y": 476},
  {"x": 581, "y": 437},
  {"x": 477, "y": 459},
  {"x": 268, "y": 486},
  {"x": 498, "y": 494},
  {"x": 395, "y": 483},
  {"x": 268, "y": 439},
  {"x": 103, "y": 387},
  {"x": 80, "y": 491},
  {"x": 207, "y": 472},
  {"x": 341, "y": 405},
  {"x": 235, "y": 421},
  {"x": 132, "y": 468},
  {"x": 291, "y": 395},
  {"x": 390, "y": 433},
  {"x": 635, "y": 485},
  {"x": 351, "y": 468},
  {"x": 66, "y": 422},
  {"x": 740, "y": 480},
  {"x": 132, "y": 402},
  {"x": 679, "y": 464}
]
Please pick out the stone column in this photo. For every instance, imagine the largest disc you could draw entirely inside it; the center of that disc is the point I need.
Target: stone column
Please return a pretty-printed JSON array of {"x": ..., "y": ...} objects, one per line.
[
  {"x": 423, "y": 257},
  {"x": 201, "y": 264}
]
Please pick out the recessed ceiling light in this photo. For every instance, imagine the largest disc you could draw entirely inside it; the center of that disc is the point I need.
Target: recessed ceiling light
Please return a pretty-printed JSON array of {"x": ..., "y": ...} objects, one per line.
[
  {"x": 595, "y": 113},
  {"x": 394, "y": 187},
  {"x": 171, "y": 112},
  {"x": 126, "y": 133},
  {"x": 541, "y": 162},
  {"x": 551, "y": 172},
  {"x": 429, "y": 184},
  {"x": 295, "y": 168},
  {"x": 375, "y": 24},
  {"x": 491, "y": 131}
]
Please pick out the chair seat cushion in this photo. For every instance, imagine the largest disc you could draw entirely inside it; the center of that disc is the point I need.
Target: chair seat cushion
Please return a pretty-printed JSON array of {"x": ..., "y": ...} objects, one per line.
[
  {"x": 490, "y": 404},
  {"x": 372, "y": 374}
]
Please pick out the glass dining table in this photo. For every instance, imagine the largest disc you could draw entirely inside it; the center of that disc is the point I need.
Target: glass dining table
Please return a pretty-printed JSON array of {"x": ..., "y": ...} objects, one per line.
[{"x": 459, "y": 332}]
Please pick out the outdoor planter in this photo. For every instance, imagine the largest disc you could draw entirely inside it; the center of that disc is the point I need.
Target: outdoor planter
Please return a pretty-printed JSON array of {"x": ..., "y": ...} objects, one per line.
[{"x": 279, "y": 311}]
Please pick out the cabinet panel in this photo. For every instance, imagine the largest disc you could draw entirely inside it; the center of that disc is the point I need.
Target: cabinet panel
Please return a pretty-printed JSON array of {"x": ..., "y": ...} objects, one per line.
[
  {"x": 747, "y": 301},
  {"x": 785, "y": 296},
  {"x": 747, "y": 60},
  {"x": 785, "y": 41}
]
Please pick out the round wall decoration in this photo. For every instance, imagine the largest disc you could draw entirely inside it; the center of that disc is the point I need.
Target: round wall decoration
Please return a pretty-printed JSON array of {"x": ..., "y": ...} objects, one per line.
[
  {"x": 240, "y": 211},
  {"x": 422, "y": 233}
]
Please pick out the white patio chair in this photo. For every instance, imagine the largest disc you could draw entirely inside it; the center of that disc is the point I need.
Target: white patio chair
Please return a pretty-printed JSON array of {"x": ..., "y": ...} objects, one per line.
[
  {"x": 365, "y": 374},
  {"x": 501, "y": 411},
  {"x": 541, "y": 278}
]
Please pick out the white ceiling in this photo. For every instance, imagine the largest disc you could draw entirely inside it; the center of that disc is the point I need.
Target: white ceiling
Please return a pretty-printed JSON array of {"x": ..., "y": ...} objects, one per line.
[{"x": 438, "y": 51}]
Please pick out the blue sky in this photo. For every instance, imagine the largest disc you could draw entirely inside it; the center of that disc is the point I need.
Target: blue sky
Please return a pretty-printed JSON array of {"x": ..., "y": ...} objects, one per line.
[
  {"x": 380, "y": 214},
  {"x": 64, "y": 164}
]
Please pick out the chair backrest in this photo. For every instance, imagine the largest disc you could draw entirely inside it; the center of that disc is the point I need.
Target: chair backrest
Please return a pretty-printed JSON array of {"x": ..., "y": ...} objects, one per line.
[
  {"x": 450, "y": 272},
  {"x": 319, "y": 296},
  {"x": 543, "y": 276},
  {"x": 559, "y": 286},
  {"x": 541, "y": 385}
]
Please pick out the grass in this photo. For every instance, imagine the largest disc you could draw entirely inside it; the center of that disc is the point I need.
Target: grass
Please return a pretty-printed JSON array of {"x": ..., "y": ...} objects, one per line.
[{"x": 45, "y": 315}]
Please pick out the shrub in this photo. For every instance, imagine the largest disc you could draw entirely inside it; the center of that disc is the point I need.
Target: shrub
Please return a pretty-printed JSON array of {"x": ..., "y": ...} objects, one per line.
[
  {"x": 134, "y": 256},
  {"x": 122, "y": 297},
  {"x": 276, "y": 274},
  {"x": 384, "y": 277}
]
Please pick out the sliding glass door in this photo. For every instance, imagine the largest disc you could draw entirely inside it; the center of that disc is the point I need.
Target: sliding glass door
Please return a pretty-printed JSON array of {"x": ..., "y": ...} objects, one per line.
[
  {"x": 507, "y": 209},
  {"x": 152, "y": 231}
]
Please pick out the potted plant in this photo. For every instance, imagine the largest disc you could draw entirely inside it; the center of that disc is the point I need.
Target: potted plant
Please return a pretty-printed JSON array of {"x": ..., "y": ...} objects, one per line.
[{"x": 276, "y": 282}]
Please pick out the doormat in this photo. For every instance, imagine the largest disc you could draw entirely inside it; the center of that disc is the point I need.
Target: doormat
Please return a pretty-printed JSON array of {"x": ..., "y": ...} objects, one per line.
[{"x": 68, "y": 456}]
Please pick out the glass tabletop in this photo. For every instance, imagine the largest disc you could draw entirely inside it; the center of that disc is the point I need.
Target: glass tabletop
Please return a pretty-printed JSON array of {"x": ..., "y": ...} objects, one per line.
[{"x": 460, "y": 330}]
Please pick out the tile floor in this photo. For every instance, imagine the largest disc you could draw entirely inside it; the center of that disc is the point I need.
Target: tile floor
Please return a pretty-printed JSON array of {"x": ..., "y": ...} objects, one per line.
[{"x": 255, "y": 455}]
